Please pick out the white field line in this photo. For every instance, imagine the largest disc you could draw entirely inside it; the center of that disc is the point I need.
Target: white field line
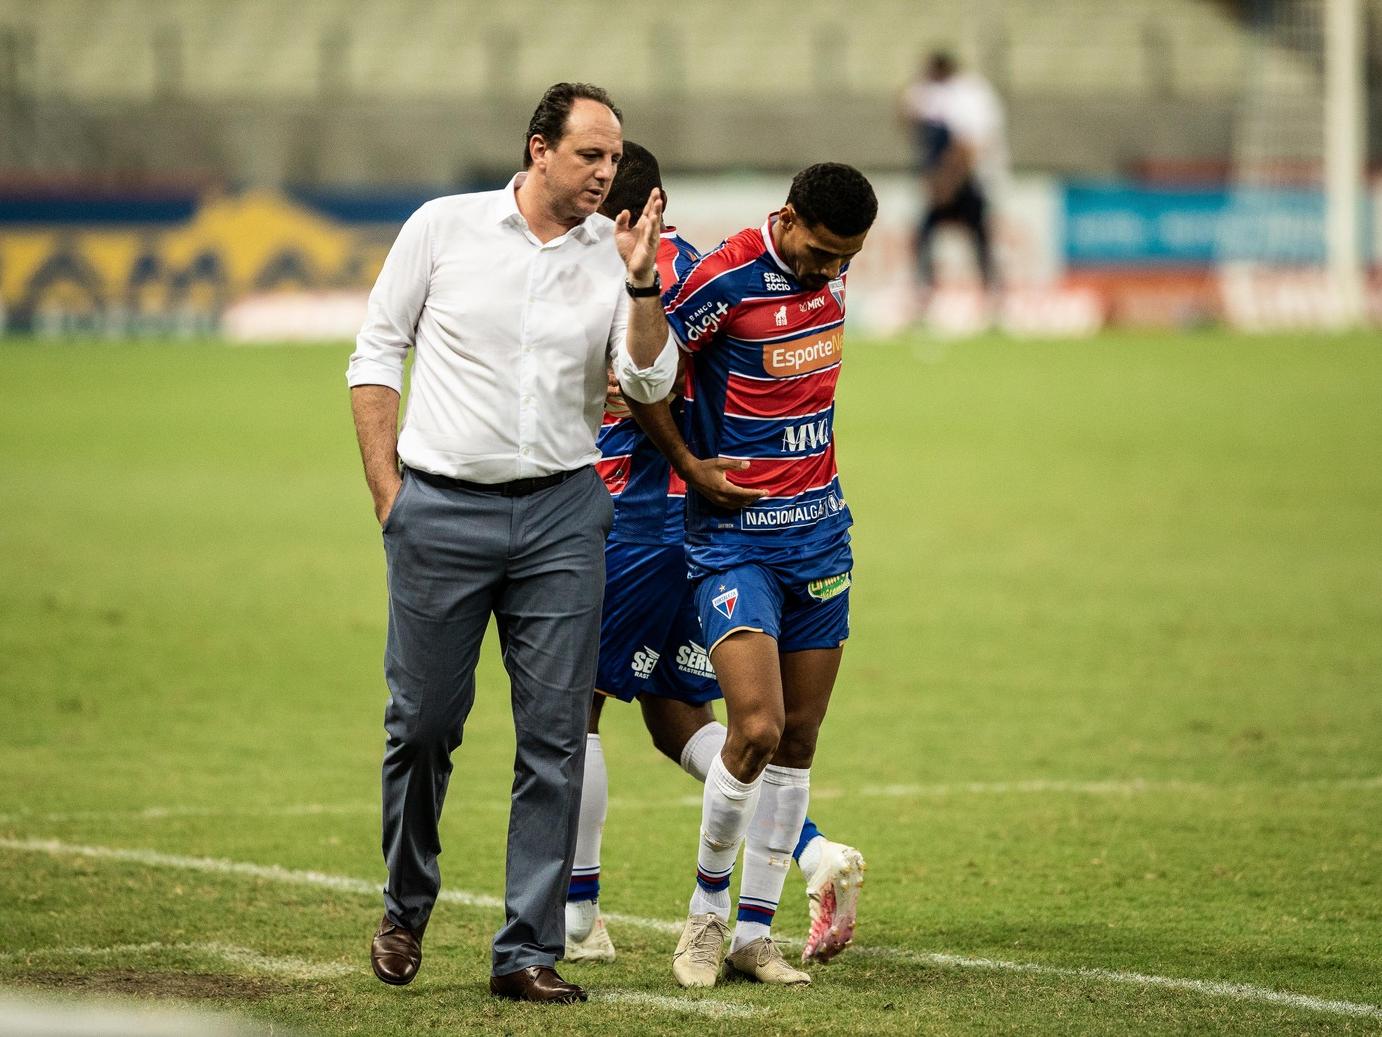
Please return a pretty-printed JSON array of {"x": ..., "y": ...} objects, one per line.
[
  {"x": 1131, "y": 787},
  {"x": 706, "y": 1007},
  {"x": 346, "y": 884},
  {"x": 300, "y": 968},
  {"x": 245, "y": 957},
  {"x": 157, "y": 813},
  {"x": 268, "y": 872},
  {"x": 1211, "y": 988}
]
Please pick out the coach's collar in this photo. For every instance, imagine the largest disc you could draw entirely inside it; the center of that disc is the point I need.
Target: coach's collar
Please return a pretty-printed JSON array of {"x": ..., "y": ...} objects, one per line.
[{"x": 506, "y": 213}]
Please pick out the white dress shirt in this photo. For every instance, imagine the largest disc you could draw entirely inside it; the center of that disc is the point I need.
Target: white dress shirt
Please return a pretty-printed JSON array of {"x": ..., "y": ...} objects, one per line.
[
  {"x": 512, "y": 339},
  {"x": 971, "y": 109}
]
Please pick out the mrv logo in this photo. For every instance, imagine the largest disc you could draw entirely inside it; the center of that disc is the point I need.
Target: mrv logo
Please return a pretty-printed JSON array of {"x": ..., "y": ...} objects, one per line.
[{"x": 811, "y": 435}]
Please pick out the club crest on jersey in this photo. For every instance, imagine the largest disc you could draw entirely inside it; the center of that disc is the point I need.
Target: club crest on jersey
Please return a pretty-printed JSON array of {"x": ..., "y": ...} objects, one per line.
[
  {"x": 724, "y": 603},
  {"x": 837, "y": 291},
  {"x": 775, "y": 282}
]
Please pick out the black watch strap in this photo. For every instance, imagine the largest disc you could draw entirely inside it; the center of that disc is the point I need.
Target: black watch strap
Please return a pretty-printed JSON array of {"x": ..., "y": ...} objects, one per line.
[{"x": 643, "y": 293}]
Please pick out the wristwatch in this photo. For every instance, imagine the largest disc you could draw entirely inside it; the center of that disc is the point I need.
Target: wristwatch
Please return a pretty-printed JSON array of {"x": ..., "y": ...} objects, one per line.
[{"x": 642, "y": 293}]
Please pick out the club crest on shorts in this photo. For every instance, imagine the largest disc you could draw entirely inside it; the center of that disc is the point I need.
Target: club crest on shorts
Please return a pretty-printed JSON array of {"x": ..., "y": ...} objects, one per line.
[{"x": 724, "y": 603}]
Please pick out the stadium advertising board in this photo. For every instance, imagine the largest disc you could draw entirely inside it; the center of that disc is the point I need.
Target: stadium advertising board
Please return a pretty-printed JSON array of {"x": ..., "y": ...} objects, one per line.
[
  {"x": 263, "y": 265},
  {"x": 123, "y": 268},
  {"x": 1125, "y": 225},
  {"x": 1251, "y": 257}
]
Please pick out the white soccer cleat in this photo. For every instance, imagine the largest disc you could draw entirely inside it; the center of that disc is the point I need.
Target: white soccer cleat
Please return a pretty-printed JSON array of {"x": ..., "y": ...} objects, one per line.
[
  {"x": 597, "y": 946},
  {"x": 762, "y": 962},
  {"x": 833, "y": 895},
  {"x": 696, "y": 962}
]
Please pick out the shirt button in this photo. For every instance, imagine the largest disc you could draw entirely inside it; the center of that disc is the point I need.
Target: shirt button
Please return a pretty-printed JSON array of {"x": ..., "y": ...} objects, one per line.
[{"x": 526, "y": 451}]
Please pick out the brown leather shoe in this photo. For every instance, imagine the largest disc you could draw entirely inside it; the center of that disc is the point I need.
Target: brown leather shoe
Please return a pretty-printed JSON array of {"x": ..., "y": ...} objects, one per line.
[
  {"x": 396, "y": 952},
  {"x": 536, "y": 983}
]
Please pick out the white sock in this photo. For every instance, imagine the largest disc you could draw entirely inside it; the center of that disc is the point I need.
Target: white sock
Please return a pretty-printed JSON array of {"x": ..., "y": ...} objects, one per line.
[
  {"x": 580, "y": 918},
  {"x": 584, "y": 891},
  {"x": 726, "y": 808},
  {"x": 810, "y": 858},
  {"x": 702, "y": 749},
  {"x": 772, "y": 836}
]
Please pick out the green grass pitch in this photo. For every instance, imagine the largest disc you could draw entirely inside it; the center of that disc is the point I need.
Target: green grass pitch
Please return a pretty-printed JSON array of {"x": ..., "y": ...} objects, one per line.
[{"x": 1111, "y": 717}]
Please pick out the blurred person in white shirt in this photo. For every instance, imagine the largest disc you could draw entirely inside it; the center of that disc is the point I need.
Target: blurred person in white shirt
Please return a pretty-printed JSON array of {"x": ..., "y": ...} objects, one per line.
[{"x": 957, "y": 122}]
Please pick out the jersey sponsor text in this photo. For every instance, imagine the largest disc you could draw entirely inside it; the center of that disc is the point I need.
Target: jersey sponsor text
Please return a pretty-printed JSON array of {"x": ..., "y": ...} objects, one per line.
[
  {"x": 810, "y": 435},
  {"x": 791, "y": 514},
  {"x": 803, "y": 355}
]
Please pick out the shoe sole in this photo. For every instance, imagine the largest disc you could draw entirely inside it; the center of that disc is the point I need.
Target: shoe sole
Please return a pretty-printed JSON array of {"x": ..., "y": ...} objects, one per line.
[
  {"x": 575, "y": 954},
  {"x": 391, "y": 982},
  {"x": 574, "y": 999},
  {"x": 833, "y": 929},
  {"x": 734, "y": 975},
  {"x": 695, "y": 984}
]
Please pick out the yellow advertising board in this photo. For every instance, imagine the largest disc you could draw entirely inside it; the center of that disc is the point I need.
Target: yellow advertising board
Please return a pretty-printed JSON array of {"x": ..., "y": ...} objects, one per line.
[{"x": 179, "y": 277}]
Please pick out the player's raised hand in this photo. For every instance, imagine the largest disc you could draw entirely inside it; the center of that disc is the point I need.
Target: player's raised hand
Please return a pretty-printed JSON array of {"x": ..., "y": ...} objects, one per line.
[
  {"x": 638, "y": 241},
  {"x": 707, "y": 477}
]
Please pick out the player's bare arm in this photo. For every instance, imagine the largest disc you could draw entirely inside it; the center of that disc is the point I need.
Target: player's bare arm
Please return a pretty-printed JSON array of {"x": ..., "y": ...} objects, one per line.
[
  {"x": 638, "y": 243},
  {"x": 706, "y": 476},
  {"x": 376, "y": 428}
]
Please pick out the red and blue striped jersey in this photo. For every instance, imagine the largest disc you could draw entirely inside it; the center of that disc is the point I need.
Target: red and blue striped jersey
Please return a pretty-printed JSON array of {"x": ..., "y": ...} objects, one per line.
[
  {"x": 766, "y": 362},
  {"x": 649, "y": 498}
]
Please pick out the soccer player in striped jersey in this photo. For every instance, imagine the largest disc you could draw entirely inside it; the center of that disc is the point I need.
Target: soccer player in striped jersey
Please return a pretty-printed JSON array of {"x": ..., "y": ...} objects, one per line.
[
  {"x": 651, "y": 647},
  {"x": 763, "y": 318}
]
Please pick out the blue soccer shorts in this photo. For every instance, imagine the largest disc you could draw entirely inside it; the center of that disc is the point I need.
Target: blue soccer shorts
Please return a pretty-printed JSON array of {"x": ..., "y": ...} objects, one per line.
[
  {"x": 802, "y": 614},
  {"x": 650, "y": 637}
]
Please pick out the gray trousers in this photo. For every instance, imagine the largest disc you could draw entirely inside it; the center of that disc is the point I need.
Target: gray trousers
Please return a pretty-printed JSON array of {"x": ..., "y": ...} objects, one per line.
[{"x": 536, "y": 563}]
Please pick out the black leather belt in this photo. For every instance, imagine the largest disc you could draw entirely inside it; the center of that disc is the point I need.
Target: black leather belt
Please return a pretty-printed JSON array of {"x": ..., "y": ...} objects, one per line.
[{"x": 514, "y": 488}]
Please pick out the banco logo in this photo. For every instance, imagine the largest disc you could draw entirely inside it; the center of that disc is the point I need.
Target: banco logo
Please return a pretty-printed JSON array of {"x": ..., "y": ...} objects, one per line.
[{"x": 704, "y": 323}]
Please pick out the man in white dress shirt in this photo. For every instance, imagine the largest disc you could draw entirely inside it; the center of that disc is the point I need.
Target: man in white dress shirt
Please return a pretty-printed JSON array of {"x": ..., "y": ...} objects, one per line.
[{"x": 514, "y": 302}]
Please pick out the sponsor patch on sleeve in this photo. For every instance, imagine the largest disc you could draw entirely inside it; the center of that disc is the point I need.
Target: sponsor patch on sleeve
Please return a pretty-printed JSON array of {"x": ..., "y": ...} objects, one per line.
[{"x": 826, "y": 588}]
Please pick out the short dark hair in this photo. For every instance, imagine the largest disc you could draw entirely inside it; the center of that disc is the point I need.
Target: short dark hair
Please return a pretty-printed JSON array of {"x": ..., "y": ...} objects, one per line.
[
  {"x": 941, "y": 64},
  {"x": 835, "y": 196},
  {"x": 634, "y": 180},
  {"x": 550, "y": 115}
]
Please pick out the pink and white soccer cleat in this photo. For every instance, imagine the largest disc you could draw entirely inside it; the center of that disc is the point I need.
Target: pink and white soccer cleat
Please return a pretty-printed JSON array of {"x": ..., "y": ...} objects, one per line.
[{"x": 833, "y": 894}]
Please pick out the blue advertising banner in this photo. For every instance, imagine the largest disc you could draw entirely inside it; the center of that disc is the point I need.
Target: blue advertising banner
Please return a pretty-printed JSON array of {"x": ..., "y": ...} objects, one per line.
[{"x": 1113, "y": 224}]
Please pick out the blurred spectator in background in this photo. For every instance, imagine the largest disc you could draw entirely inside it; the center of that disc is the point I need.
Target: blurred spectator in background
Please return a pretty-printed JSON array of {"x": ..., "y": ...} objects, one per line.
[{"x": 956, "y": 120}]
